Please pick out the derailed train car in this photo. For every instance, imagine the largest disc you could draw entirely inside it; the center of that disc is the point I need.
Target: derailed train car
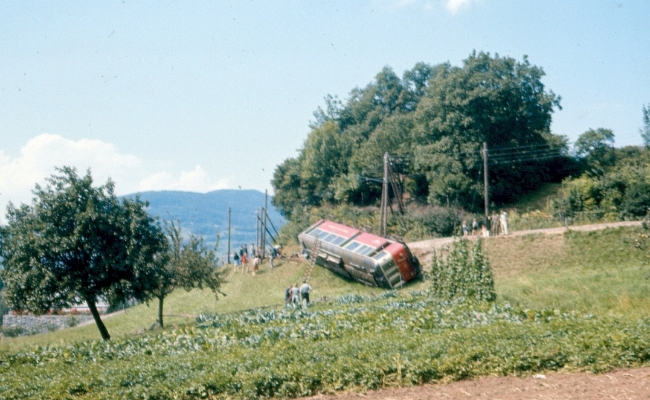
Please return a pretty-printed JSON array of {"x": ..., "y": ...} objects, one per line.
[{"x": 362, "y": 256}]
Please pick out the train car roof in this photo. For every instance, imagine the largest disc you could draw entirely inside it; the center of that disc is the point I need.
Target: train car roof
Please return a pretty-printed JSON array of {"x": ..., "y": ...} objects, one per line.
[
  {"x": 371, "y": 240},
  {"x": 339, "y": 229}
]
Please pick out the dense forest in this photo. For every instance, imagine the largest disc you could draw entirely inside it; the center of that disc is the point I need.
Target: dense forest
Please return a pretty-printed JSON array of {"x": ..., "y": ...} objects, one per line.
[{"x": 433, "y": 122}]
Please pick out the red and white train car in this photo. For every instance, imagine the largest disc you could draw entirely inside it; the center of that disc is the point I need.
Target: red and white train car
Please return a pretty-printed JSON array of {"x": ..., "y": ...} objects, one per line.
[{"x": 362, "y": 256}]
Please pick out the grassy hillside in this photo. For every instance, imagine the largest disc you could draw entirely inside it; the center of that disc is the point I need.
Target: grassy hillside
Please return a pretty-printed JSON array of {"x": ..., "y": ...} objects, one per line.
[
  {"x": 577, "y": 301},
  {"x": 243, "y": 291},
  {"x": 598, "y": 272},
  {"x": 594, "y": 272}
]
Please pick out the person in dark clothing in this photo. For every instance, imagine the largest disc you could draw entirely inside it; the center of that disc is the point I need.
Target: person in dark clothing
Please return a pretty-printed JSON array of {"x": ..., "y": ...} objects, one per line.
[{"x": 287, "y": 295}]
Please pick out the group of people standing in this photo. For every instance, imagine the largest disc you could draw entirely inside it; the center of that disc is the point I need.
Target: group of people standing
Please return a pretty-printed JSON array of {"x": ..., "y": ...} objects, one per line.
[
  {"x": 293, "y": 294},
  {"x": 241, "y": 258},
  {"x": 498, "y": 225}
]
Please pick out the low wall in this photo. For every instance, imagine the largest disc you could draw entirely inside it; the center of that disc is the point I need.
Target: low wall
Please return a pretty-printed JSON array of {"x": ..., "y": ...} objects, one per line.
[{"x": 35, "y": 324}]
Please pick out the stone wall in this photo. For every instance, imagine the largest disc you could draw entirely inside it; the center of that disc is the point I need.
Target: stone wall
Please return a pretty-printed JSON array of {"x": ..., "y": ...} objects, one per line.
[{"x": 35, "y": 324}]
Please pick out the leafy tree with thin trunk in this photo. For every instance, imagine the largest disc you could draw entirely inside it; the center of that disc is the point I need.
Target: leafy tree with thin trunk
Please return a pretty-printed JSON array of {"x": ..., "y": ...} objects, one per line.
[
  {"x": 188, "y": 264},
  {"x": 78, "y": 243},
  {"x": 645, "y": 131},
  {"x": 596, "y": 147}
]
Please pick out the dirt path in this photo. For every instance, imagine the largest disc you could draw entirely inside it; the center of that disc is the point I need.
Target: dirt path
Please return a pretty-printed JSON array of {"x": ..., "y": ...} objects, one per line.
[
  {"x": 422, "y": 249},
  {"x": 629, "y": 384}
]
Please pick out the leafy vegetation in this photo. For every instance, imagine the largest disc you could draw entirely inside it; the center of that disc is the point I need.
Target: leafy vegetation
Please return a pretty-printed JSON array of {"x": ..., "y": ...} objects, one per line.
[
  {"x": 372, "y": 343},
  {"x": 572, "y": 301},
  {"x": 433, "y": 121},
  {"x": 462, "y": 272},
  {"x": 77, "y": 243},
  {"x": 614, "y": 186},
  {"x": 645, "y": 131},
  {"x": 186, "y": 264}
]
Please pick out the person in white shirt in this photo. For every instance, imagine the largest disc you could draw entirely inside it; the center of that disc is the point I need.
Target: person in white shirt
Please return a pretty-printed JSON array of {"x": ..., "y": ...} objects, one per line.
[
  {"x": 304, "y": 292},
  {"x": 504, "y": 223}
]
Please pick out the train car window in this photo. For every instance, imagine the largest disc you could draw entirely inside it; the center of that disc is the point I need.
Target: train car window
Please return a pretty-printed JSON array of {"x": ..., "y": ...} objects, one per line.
[
  {"x": 352, "y": 246},
  {"x": 365, "y": 250},
  {"x": 361, "y": 249},
  {"x": 316, "y": 232},
  {"x": 338, "y": 240},
  {"x": 330, "y": 238},
  {"x": 379, "y": 255}
]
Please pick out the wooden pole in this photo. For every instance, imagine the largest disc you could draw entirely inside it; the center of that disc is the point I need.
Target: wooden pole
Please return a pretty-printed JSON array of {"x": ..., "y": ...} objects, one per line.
[
  {"x": 266, "y": 196},
  {"x": 257, "y": 229},
  {"x": 228, "y": 235},
  {"x": 486, "y": 183},
  {"x": 383, "y": 214}
]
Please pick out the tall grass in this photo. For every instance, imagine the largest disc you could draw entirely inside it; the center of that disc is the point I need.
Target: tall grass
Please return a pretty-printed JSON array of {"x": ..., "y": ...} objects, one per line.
[{"x": 596, "y": 272}]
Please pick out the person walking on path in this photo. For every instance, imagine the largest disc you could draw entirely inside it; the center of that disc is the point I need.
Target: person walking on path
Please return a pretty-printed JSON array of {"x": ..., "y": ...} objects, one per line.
[
  {"x": 474, "y": 227},
  {"x": 503, "y": 219},
  {"x": 235, "y": 260},
  {"x": 271, "y": 257},
  {"x": 304, "y": 292},
  {"x": 465, "y": 233}
]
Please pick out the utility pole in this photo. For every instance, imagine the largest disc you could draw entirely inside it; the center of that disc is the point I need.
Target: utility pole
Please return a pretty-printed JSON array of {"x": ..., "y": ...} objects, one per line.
[
  {"x": 266, "y": 196},
  {"x": 257, "y": 229},
  {"x": 396, "y": 191},
  {"x": 485, "y": 184},
  {"x": 228, "y": 235},
  {"x": 383, "y": 212}
]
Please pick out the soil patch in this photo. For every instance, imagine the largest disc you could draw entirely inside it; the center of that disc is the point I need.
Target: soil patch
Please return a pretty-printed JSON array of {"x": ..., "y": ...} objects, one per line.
[{"x": 629, "y": 384}]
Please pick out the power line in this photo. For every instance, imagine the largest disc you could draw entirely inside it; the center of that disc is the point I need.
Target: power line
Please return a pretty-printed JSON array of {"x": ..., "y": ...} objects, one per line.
[{"x": 534, "y": 156}]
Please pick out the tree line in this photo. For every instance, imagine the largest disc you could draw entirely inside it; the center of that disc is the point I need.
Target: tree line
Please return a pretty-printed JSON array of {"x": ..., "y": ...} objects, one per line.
[
  {"x": 433, "y": 121},
  {"x": 78, "y": 243}
]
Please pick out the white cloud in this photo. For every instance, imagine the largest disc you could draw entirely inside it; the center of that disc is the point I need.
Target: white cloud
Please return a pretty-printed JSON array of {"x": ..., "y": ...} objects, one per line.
[
  {"x": 193, "y": 181},
  {"x": 40, "y": 155},
  {"x": 453, "y": 6}
]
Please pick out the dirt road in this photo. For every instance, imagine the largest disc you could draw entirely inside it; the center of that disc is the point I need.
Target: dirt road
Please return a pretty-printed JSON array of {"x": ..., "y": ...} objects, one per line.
[
  {"x": 422, "y": 249},
  {"x": 628, "y": 384}
]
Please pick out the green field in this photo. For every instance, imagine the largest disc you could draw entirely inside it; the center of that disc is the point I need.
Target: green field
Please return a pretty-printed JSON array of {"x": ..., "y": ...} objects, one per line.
[{"x": 578, "y": 301}]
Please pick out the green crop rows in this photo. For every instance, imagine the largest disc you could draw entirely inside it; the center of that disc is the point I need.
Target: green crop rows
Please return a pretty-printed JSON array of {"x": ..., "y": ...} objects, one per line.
[{"x": 360, "y": 343}]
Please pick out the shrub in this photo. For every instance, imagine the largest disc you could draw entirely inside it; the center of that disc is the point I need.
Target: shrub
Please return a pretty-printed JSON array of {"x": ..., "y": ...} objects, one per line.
[
  {"x": 13, "y": 331},
  {"x": 463, "y": 272}
]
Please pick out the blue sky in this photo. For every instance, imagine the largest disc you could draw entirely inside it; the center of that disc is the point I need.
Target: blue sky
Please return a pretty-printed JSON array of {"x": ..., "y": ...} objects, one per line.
[{"x": 205, "y": 95}]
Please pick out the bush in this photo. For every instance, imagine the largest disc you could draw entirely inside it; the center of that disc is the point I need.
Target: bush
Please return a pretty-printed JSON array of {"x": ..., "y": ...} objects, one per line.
[
  {"x": 463, "y": 272},
  {"x": 13, "y": 331},
  {"x": 72, "y": 321}
]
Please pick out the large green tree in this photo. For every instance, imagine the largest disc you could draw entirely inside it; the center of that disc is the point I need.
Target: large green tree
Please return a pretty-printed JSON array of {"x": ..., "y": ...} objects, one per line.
[
  {"x": 433, "y": 121},
  {"x": 491, "y": 99},
  {"x": 187, "y": 264},
  {"x": 596, "y": 147},
  {"x": 78, "y": 243}
]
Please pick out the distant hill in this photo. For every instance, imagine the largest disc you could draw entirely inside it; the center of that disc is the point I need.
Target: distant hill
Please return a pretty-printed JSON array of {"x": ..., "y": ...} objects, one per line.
[{"x": 206, "y": 213}]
